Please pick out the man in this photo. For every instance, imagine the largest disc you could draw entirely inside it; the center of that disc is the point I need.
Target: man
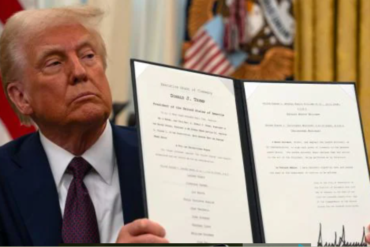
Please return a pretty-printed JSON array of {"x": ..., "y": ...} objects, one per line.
[{"x": 77, "y": 180}]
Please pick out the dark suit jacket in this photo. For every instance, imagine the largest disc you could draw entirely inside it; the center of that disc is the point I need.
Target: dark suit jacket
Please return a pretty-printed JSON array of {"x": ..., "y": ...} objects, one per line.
[{"x": 29, "y": 206}]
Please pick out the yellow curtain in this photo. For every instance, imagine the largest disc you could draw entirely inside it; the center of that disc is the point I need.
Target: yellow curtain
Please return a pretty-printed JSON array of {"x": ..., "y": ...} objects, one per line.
[{"x": 333, "y": 44}]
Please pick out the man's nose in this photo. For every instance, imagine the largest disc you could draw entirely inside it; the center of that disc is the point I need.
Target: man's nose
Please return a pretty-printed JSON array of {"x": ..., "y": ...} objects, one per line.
[{"x": 78, "y": 70}]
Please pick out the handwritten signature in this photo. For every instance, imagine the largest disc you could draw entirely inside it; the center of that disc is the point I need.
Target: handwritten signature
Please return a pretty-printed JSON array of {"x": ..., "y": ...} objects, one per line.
[{"x": 341, "y": 241}]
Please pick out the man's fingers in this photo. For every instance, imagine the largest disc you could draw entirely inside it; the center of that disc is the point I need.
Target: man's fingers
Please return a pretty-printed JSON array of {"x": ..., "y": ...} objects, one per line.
[
  {"x": 145, "y": 226},
  {"x": 149, "y": 239},
  {"x": 142, "y": 231}
]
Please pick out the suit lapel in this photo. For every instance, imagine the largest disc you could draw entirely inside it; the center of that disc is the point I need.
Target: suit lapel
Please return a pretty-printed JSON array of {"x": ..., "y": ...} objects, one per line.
[
  {"x": 35, "y": 193},
  {"x": 127, "y": 154}
]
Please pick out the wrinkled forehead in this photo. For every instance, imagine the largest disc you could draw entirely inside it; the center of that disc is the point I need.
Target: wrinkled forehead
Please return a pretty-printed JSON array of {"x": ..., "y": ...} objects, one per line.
[
  {"x": 60, "y": 38},
  {"x": 67, "y": 34}
]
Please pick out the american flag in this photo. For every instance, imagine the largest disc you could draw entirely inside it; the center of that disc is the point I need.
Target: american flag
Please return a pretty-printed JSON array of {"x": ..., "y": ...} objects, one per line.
[
  {"x": 207, "y": 54},
  {"x": 10, "y": 126}
]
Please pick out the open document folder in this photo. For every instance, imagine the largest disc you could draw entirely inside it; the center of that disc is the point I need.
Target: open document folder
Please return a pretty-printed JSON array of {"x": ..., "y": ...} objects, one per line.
[{"x": 238, "y": 161}]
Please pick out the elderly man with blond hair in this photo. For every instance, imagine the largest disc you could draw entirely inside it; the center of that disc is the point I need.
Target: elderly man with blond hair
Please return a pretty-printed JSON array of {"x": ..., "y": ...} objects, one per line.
[{"x": 77, "y": 180}]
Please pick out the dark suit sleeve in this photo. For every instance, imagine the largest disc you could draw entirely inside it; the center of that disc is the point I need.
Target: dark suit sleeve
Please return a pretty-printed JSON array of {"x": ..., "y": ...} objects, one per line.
[{"x": 3, "y": 241}]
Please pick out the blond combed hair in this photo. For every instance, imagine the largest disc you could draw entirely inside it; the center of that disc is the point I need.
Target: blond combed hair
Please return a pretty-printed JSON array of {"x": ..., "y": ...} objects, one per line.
[{"x": 28, "y": 23}]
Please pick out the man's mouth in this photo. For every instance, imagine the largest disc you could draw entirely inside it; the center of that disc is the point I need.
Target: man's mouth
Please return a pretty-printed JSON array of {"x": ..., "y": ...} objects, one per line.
[{"x": 84, "y": 96}]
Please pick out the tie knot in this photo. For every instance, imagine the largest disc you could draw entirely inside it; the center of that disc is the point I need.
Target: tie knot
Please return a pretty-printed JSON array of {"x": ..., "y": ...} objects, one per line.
[{"x": 79, "y": 167}]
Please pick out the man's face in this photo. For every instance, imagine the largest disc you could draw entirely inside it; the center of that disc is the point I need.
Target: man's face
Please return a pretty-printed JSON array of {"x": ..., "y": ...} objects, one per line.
[{"x": 64, "y": 77}]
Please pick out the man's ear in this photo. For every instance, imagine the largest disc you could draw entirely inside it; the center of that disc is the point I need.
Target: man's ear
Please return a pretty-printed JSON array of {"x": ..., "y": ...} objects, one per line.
[{"x": 19, "y": 98}]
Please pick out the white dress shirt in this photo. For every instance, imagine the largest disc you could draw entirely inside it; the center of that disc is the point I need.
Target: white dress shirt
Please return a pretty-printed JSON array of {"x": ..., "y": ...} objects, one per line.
[{"x": 102, "y": 182}]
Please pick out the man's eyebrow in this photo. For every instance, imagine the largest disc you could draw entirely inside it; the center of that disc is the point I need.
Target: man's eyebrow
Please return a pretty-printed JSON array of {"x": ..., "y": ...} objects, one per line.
[
  {"x": 49, "y": 50},
  {"x": 85, "y": 42}
]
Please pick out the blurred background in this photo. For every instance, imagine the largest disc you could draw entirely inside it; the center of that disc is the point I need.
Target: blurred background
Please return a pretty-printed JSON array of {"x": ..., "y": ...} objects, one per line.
[{"x": 305, "y": 40}]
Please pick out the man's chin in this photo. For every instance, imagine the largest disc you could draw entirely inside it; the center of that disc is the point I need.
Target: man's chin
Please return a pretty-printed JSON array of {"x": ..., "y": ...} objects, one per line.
[{"x": 90, "y": 116}]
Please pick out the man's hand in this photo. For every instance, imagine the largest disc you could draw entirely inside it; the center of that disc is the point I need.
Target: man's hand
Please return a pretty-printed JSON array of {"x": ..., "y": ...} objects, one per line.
[
  {"x": 142, "y": 231},
  {"x": 368, "y": 235}
]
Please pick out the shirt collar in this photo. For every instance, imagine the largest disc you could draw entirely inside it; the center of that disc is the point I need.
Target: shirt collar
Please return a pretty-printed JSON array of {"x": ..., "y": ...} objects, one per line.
[{"x": 101, "y": 156}]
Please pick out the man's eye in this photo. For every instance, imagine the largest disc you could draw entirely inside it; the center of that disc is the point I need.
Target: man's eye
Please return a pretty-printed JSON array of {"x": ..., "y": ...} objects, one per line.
[
  {"x": 90, "y": 55},
  {"x": 51, "y": 64}
]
